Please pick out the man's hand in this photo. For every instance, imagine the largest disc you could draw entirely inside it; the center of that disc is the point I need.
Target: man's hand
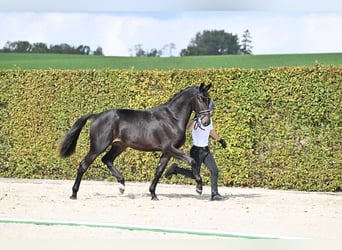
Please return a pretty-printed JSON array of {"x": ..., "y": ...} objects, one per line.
[{"x": 223, "y": 143}]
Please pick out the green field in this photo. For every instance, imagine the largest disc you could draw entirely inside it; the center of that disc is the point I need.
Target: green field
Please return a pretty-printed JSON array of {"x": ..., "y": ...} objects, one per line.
[{"x": 60, "y": 61}]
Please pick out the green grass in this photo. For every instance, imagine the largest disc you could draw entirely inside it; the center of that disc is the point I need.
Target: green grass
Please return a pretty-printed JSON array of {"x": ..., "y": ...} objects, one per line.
[{"x": 60, "y": 61}]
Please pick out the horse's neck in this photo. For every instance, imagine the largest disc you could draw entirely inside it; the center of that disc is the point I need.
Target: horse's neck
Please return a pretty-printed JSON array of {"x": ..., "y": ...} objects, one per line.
[{"x": 182, "y": 109}]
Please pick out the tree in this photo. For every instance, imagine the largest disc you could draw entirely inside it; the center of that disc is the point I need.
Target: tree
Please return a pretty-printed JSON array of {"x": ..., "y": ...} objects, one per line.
[
  {"x": 18, "y": 47},
  {"x": 154, "y": 53},
  {"x": 62, "y": 48},
  {"x": 170, "y": 47},
  {"x": 83, "y": 49},
  {"x": 98, "y": 52},
  {"x": 246, "y": 47},
  {"x": 139, "y": 52},
  {"x": 23, "y": 46},
  {"x": 39, "y": 48},
  {"x": 212, "y": 42}
]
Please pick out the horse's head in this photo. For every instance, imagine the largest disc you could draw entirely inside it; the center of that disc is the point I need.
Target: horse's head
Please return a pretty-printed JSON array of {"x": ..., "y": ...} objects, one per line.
[{"x": 201, "y": 105}]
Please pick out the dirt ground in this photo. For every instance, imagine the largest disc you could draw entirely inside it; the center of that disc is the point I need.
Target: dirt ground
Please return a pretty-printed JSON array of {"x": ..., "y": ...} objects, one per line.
[{"x": 245, "y": 212}]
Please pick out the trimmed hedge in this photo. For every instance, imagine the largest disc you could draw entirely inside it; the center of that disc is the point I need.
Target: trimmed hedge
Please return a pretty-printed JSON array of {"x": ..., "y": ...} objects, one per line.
[{"x": 282, "y": 125}]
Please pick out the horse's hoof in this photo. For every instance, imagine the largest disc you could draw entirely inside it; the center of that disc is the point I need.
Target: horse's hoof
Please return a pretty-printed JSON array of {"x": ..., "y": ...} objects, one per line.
[
  {"x": 121, "y": 188},
  {"x": 154, "y": 198},
  {"x": 73, "y": 197},
  {"x": 199, "y": 189}
]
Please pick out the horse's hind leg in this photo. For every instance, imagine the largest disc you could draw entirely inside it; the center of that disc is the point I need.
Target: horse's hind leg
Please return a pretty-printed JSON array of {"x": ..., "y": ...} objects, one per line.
[
  {"x": 97, "y": 145},
  {"x": 109, "y": 158},
  {"x": 84, "y": 165}
]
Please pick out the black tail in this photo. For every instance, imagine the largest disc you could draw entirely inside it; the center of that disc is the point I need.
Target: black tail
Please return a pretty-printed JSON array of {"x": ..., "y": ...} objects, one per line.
[{"x": 70, "y": 140}]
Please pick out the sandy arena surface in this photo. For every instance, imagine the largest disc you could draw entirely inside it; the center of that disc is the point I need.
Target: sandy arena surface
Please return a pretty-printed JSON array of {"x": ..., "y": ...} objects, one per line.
[{"x": 256, "y": 212}]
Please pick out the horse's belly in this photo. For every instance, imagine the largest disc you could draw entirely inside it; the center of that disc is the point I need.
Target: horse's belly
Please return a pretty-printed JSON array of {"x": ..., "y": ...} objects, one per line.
[{"x": 145, "y": 147}]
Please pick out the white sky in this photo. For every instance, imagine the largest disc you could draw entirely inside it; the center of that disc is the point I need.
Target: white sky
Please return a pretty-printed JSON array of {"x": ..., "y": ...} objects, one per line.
[{"x": 299, "y": 26}]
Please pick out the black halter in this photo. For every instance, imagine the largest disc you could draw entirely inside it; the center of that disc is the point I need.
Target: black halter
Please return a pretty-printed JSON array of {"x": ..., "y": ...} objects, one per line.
[{"x": 197, "y": 119}]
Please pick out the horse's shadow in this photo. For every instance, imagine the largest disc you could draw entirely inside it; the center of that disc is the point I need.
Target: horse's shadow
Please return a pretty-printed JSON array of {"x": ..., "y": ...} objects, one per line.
[
  {"x": 185, "y": 196},
  {"x": 244, "y": 196},
  {"x": 207, "y": 196},
  {"x": 133, "y": 196}
]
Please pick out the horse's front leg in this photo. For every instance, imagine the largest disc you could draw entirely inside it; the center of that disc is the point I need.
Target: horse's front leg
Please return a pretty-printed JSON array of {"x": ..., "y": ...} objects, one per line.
[{"x": 164, "y": 159}]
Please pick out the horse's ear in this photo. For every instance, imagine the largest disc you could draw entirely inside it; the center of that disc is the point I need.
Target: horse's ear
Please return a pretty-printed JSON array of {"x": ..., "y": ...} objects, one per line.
[
  {"x": 208, "y": 86},
  {"x": 201, "y": 87}
]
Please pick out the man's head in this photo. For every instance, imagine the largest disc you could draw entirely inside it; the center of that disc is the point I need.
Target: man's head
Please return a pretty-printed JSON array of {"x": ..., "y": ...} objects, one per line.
[{"x": 211, "y": 107}]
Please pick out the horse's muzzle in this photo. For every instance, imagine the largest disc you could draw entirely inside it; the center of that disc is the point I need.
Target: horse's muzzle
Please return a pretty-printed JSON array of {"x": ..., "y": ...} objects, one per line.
[
  {"x": 205, "y": 120},
  {"x": 206, "y": 123}
]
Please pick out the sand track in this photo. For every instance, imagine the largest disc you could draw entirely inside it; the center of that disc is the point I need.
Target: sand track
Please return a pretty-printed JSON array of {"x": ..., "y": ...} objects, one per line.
[{"x": 257, "y": 212}]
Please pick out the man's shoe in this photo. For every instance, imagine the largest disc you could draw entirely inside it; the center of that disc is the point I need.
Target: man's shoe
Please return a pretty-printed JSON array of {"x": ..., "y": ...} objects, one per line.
[
  {"x": 217, "y": 197},
  {"x": 172, "y": 170}
]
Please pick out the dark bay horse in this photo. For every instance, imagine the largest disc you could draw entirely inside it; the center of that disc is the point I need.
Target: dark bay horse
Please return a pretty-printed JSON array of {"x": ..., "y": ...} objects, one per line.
[{"x": 161, "y": 128}]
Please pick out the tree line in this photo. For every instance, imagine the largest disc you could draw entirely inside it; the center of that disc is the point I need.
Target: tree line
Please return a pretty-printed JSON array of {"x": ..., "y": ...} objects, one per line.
[
  {"x": 218, "y": 42},
  {"x": 63, "y": 48},
  {"x": 138, "y": 51},
  {"x": 207, "y": 42}
]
